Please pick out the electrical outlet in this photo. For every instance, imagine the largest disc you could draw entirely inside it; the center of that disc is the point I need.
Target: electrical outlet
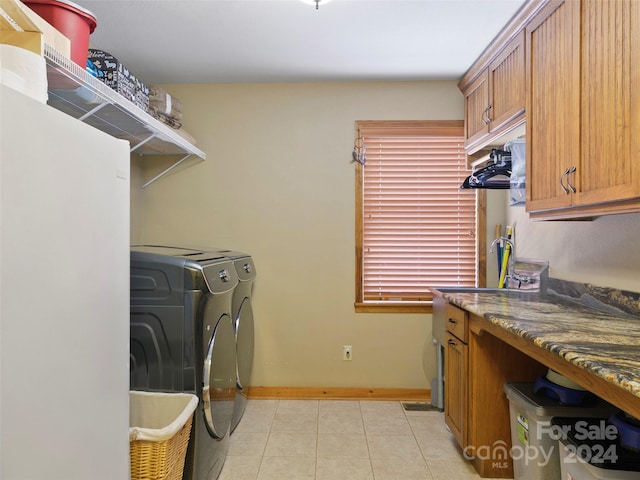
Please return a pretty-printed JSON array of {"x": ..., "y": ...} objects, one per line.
[{"x": 346, "y": 352}]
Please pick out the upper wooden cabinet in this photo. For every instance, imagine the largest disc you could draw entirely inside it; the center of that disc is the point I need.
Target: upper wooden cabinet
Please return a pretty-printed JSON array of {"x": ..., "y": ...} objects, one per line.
[
  {"x": 476, "y": 104},
  {"x": 507, "y": 84},
  {"x": 495, "y": 98},
  {"x": 610, "y": 106},
  {"x": 553, "y": 104},
  {"x": 575, "y": 65},
  {"x": 582, "y": 107}
]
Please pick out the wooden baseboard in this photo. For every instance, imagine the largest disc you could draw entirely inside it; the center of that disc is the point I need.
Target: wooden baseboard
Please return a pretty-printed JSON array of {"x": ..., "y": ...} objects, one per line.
[{"x": 339, "y": 393}]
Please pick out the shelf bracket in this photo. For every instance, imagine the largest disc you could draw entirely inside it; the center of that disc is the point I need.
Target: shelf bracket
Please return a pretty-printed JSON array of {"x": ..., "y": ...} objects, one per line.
[
  {"x": 164, "y": 172},
  {"x": 92, "y": 111},
  {"x": 150, "y": 137}
]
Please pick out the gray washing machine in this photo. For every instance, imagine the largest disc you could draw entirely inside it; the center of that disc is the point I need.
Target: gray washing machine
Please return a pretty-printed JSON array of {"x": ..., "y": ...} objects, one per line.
[
  {"x": 183, "y": 340},
  {"x": 242, "y": 314}
]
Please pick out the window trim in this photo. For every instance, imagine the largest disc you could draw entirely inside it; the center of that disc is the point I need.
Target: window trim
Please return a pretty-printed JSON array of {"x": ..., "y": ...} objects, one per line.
[{"x": 481, "y": 243}]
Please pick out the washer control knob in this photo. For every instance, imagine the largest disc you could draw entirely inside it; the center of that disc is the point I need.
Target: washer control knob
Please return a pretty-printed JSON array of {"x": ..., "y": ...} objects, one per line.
[
  {"x": 224, "y": 275},
  {"x": 247, "y": 268}
]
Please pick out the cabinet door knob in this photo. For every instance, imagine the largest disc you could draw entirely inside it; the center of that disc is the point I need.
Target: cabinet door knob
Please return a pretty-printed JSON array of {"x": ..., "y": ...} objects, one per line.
[
  {"x": 571, "y": 171},
  {"x": 564, "y": 189},
  {"x": 452, "y": 343},
  {"x": 485, "y": 116},
  {"x": 451, "y": 320}
]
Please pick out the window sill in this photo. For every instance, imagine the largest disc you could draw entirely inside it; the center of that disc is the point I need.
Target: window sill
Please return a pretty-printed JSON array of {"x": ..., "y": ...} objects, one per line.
[{"x": 404, "y": 307}]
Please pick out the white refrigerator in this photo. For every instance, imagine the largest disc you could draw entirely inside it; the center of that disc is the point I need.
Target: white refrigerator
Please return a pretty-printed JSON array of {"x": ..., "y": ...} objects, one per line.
[{"x": 64, "y": 296}]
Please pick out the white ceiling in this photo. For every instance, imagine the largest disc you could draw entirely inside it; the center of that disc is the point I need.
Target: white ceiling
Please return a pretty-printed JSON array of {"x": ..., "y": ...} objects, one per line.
[{"x": 205, "y": 41}]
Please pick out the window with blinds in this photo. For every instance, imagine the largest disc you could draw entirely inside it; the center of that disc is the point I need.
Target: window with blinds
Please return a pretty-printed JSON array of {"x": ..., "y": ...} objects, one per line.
[{"x": 416, "y": 228}]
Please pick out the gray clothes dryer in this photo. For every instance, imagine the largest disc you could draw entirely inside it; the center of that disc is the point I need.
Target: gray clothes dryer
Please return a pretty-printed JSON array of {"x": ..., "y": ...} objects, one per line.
[
  {"x": 242, "y": 314},
  {"x": 183, "y": 340}
]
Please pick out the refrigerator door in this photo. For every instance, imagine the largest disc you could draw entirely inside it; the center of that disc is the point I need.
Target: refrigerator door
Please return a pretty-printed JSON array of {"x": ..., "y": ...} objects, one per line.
[{"x": 64, "y": 296}]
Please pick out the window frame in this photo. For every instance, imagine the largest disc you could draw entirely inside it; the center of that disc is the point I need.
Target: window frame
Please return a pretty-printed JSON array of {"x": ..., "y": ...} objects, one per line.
[{"x": 408, "y": 307}]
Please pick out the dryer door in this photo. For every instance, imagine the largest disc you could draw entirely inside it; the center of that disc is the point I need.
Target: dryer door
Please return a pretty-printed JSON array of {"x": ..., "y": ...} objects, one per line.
[
  {"x": 244, "y": 343},
  {"x": 219, "y": 378}
]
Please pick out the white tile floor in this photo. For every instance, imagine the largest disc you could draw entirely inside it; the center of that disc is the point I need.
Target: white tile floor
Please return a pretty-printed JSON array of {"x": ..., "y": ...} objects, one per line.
[{"x": 342, "y": 439}]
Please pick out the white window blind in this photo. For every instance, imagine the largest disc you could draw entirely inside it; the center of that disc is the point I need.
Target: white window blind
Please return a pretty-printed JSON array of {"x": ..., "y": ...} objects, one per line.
[{"x": 417, "y": 227}]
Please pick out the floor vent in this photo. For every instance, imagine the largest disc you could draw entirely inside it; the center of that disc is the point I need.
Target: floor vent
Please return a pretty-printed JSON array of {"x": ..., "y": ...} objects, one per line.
[{"x": 419, "y": 407}]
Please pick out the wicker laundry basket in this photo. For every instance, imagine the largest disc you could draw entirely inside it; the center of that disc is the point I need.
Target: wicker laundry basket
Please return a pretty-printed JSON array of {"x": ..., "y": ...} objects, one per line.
[{"x": 159, "y": 428}]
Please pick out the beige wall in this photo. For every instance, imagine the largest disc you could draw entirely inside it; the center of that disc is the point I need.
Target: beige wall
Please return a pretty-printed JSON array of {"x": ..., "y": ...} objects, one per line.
[
  {"x": 604, "y": 252},
  {"x": 278, "y": 183},
  {"x": 496, "y": 213}
]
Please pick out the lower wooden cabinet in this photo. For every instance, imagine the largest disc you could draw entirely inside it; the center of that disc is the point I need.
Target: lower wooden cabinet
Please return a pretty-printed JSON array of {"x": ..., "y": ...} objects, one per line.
[
  {"x": 456, "y": 389},
  {"x": 476, "y": 407}
]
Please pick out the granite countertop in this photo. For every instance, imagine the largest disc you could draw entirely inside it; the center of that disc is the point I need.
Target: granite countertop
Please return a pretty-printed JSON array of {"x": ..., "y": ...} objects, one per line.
[{"x": 596, "y": 329}]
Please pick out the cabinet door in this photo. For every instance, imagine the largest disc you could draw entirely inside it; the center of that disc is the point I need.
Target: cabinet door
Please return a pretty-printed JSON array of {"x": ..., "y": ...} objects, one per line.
[
  {"x": 507, "y": 84},
  {"x": 553, "y": 103},
  {"x": 455, "y": 387},
  {"x": 476, "y": 104},
  {"x": 610, "y": 161}
]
